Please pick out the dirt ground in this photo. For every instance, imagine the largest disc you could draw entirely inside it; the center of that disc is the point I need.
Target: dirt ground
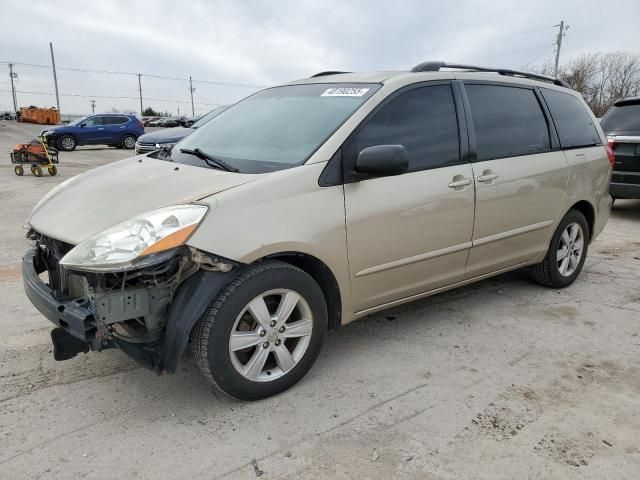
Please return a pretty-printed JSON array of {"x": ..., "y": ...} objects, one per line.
[{"x": 502, "y": 379}]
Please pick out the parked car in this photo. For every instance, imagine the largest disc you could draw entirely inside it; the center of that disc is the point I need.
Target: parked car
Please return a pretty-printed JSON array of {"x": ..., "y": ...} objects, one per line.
[
  {"x": 113, "y": 129},
  {"x": 173, "y": 122},
  {"x": 621, "y": 124},
  {"x": 7, "y": 116},
  {"x": 279, "y": 219},
  {"x": 150, "y": 142},
  {"x": 147, "y": 120},
  {"x": 191, "y": 120},
  {"x": 157, "y": 122}
]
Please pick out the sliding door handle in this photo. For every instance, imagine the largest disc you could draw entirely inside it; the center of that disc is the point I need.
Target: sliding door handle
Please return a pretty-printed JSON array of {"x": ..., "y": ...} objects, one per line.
[{"x": 487, "y": 176}]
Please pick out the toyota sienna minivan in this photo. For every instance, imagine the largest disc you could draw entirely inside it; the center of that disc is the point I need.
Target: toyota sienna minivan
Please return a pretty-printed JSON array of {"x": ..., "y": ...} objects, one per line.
[{"x": 312, "y": 204}]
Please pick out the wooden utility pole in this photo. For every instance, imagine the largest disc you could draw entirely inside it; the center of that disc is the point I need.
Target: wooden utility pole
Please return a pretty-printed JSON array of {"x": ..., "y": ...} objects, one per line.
[
  {"x": 55, "y": 77},
  {"x": 140, "y": 92},
  {"x": 191, "y": 90},
  {"x": 559, "y": 37},
  {"x": 13, "y": 88}
]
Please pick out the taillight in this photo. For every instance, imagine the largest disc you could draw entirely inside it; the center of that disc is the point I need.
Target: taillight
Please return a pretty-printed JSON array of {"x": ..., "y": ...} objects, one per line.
[
  {"x": 611, "y": 141},
  {"x": 610, "y": 154}
]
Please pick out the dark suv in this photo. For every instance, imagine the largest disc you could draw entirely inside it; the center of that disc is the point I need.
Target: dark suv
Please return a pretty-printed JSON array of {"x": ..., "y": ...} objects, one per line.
[
  {"x": 621, "y": 124},
  {"x": 113, "y": 129}
]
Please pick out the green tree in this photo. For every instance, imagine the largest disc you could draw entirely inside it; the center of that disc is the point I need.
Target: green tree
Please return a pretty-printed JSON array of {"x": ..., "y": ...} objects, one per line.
[{"x": 150, "y": 112}]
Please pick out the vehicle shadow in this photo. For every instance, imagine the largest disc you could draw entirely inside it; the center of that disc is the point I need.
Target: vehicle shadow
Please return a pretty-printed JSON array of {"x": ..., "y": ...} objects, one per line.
[
  {"x": 626, "y": 209},
  {"x": 349, "y": 347}
]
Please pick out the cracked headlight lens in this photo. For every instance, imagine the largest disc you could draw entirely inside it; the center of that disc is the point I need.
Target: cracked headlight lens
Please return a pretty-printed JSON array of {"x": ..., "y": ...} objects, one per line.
[{"x": 137, "y": 242}]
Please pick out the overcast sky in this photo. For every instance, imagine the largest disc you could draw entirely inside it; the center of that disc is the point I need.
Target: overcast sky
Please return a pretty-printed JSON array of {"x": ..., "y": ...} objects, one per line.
[{"x": 260, "y": 43}]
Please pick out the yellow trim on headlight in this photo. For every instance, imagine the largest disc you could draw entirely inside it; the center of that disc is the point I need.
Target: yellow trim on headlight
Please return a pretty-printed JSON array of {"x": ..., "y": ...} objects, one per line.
[{"x": 170, "y": 241}]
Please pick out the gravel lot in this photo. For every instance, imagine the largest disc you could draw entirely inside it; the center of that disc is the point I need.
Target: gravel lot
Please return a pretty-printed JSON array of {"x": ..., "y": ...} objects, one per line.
[{"x": 502, "y": 379}]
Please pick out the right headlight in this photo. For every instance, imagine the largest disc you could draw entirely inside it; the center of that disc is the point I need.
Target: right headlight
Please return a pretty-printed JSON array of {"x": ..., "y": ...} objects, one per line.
[{"x": 135, "y": 243}]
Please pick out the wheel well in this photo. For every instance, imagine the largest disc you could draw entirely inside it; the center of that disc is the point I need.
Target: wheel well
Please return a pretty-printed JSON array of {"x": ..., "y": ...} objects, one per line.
[
  {"x": 587, "y": 210},
  {"x": 323, "y": 277}
]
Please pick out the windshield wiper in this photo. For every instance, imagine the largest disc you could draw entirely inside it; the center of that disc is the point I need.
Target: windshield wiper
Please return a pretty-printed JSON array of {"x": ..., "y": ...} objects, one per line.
[{"x": 211, "y": 161}]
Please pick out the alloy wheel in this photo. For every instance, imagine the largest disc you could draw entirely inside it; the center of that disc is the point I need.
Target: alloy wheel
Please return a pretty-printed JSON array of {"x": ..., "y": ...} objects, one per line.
[
  {"x": 570, "y": 249},
  {"x": 271, "y": 335},
  {"x": 67, "y": 143}
]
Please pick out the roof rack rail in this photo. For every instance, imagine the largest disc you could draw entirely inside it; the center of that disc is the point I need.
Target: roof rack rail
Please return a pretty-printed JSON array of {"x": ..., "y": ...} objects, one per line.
[
  {"x": 436, "y": 66},
  {"x": 329, "y": 72}
]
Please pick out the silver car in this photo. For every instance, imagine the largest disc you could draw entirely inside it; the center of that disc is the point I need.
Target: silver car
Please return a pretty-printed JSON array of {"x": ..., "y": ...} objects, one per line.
[{"x": 309, "y": 205}]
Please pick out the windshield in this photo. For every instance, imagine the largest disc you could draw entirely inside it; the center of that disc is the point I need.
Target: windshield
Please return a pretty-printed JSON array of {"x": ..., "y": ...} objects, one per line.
[
  {"x": 276, "y": 128},
  {"x": 623, "y": 117},
  {"x": 208, "y": 116}
]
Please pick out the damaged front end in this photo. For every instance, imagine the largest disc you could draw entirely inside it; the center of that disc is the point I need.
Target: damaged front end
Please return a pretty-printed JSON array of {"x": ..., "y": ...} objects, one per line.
[{"x": 147, "y": 312}]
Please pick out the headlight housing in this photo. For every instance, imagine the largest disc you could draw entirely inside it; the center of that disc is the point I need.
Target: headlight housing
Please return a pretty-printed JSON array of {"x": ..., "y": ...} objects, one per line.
[{"x": 137, "y": 242}]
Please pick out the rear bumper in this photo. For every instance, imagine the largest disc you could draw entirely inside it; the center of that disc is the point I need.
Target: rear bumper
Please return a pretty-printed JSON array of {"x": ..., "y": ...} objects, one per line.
[
  {"x": 73, "y": 316},
  {"x": 625, "y": 185}
]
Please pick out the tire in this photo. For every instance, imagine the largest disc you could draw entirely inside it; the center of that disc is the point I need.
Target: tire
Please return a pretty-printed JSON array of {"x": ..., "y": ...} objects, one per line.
[
  {"x": 18, "y": 170},
  {"x": 128, "y": 142},
  {"x": 52, "y": 169},
  {"x": 36, "y": 170},
  {"x": 67, "y": 143},
  {"x": 560, "y": 273},
  {"x": 264, "y": 284}
]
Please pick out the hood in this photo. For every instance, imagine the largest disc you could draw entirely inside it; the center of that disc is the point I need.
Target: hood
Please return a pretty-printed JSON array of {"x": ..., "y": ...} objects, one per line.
[
  {"x": 105, "y": 196},
  {"x": 167, "y": 135}
]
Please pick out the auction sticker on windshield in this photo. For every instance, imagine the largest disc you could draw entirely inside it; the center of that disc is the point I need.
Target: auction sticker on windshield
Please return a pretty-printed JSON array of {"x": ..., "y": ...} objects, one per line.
[{"x": 344, "y": 92}]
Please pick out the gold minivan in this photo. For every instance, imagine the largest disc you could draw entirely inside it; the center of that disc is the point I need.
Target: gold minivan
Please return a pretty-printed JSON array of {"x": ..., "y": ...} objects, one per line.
[{"x": 309, "y": 205}]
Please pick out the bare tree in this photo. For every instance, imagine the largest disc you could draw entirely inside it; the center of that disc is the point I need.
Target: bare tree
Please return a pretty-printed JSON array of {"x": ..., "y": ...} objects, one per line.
[{"x": 601, "y": 78}]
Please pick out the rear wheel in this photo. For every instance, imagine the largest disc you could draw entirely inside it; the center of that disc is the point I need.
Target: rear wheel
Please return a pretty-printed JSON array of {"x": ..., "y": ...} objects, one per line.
[
  {"x": 128, "y": 142},
  {"x": 67, "y": 143},
  {"x": 53, "y": 171},
  {"x": 567, "y": 252},
  {"x": 18, "y": 170},
  {"x": 36, "y": 170},
  {"x": 263, "y": 333}
]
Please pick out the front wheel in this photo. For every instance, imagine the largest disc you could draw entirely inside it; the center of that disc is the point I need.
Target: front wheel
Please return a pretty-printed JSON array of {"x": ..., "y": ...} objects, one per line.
[
  {"x": 263, "y": 333},
  {"x": 567, "y": 252},
  {"x": 67, "y": 143},
  {"x": 18, "y": 170}
]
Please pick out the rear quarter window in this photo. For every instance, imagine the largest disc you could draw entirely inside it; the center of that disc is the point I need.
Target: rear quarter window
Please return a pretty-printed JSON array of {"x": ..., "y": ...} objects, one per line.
[{"x": 572, "y": 120}]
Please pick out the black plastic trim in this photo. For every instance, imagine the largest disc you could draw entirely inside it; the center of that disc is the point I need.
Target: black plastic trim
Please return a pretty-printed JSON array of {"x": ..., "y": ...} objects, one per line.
[
  {"x": 332, "y": 173},
  {"x": 75, "y": 318},
  {"x": 189, "y": 305},
  {"x": 436, "y": 66}
]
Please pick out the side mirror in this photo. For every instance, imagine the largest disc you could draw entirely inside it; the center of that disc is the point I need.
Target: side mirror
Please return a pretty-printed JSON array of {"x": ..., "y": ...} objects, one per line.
[
  {"x": 82, "y": 125},
  {"x": 383, "y": 160}
]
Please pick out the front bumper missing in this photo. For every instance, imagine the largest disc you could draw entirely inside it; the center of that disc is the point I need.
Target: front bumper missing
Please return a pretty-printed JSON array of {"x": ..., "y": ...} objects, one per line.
[
  {"x": 78, "y": 327},
  {"x": 90, "y": 323}
]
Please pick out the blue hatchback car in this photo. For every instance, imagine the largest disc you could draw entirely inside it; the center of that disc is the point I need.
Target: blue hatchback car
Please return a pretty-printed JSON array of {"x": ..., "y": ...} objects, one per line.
[{"x": 113, "y": 129}]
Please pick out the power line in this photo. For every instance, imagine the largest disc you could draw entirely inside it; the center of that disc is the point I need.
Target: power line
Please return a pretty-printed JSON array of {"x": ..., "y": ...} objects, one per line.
[
  {"x": 518, "y": 51},
  {"x": 149, "y": 75},
  {"x": 469, "y": 44},
  {"x": 112, "y": 97}
]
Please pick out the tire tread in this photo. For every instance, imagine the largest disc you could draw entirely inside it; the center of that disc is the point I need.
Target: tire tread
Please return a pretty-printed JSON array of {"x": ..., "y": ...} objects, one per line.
[{"x": 202, "y": 329}]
